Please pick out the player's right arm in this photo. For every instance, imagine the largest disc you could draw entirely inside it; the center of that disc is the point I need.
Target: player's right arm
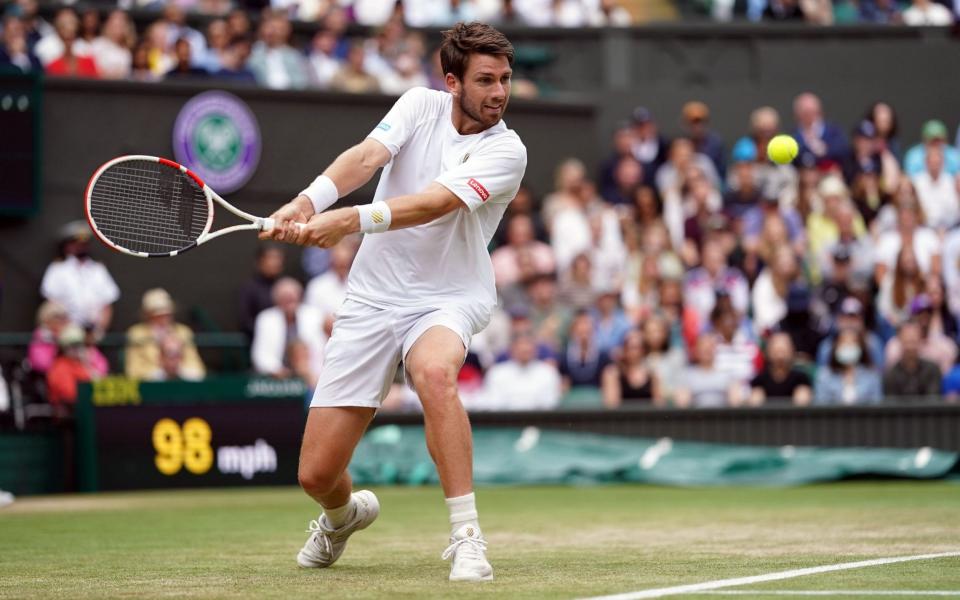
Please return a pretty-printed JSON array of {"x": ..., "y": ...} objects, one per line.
[{"x": 350, "y": 171}]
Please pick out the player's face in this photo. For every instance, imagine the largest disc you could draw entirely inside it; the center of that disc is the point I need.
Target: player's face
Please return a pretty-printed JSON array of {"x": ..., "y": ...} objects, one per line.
[{"x": 483, "y": 93}]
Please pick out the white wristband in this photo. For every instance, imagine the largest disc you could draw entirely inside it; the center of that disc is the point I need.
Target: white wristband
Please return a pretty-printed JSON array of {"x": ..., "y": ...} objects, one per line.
[
  {"x": 374, "y": 218},
  {"x": 322, "y": 193}
]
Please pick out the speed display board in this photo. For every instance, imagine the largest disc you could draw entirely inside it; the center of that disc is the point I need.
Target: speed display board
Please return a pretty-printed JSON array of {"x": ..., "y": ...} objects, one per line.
[{"x": 219, "y": 432}]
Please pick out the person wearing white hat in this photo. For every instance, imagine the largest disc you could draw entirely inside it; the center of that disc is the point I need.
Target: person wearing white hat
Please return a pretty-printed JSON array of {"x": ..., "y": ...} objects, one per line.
[{"x": 145, "y": 342}]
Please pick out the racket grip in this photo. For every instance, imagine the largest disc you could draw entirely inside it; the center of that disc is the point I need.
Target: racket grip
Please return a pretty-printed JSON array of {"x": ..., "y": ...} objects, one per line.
[{"x": 268, "y": 224}]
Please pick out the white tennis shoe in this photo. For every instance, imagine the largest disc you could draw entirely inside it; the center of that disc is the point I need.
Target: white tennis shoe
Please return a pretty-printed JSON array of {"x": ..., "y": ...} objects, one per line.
[
  {"x": 326, "y": 543},
  {"x": 468, "y": 550}
]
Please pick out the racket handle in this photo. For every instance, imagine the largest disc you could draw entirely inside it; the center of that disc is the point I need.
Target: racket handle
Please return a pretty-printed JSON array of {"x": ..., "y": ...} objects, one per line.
[{"x": 268, "y": 224}]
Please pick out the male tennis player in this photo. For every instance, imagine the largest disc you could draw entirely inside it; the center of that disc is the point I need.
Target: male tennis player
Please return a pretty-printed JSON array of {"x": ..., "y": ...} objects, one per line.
[{"x": 421, "y": 286}]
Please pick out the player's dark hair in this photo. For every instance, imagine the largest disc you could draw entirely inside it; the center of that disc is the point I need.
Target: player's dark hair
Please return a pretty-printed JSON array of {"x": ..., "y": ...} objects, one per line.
[{"x": 465, "y": 39}]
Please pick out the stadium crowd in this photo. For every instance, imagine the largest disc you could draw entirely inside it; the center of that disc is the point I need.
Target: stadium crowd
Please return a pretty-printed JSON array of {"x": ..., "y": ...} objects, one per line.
[
  {"x": 674, "y": 274},
  {"x": 100, "y": 40}
]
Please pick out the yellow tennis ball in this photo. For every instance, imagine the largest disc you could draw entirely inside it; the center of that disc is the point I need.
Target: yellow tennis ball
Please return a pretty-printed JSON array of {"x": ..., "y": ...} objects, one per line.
[{"x": 782, "y": 149}]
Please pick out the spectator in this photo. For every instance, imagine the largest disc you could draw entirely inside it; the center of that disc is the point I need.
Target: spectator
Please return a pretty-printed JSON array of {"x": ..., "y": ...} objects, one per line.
[
  {"x": 769, "y": 297},
  {"x": 743, "y": 192},
  {"x": 176, "y": 28},
  {"x": 145, "y": 352},
  {"x": 610, "y": 320},
  {"x": 627, "y": 176},
  {"x": 523, "y": 204},
  {"x": 737, "y": 353},
  {"x": 649, "y": 147},
  {"x": 78, "y": 283},
  {"x": 923, "y": 242},
  {"x": 836, "y": 284},
  {"x": 705, "y": 386},
  {"x": 407, "y": 74},
  {"x": 665, "y": 359},
  {"x": 89, "y": 24},
  {"x": 856, "y": 246},
  {"x": 582, "y": 362},
  {"x": 938, "y": 192},
  {"x": 520, "y": 241},
  {"x": 77, "y": 362},
  {"x": 912, "y": 376},
  {"x": 696, "y": 116},
  {"x": 140, "y": 69},
  {"x": 111, "y": 51},
  {"x": 628, "y": 379},
  {"x": 925, "y": 13},
  {"x": 322, "y": 59},
  {"x": 671, "y": 176},
  {"x": 899, "y": 288},
  {"x": 184, "y": 69},
  {"x": 233, "y": 60},
  {"x": 51, "y": 320},
  {"x": 702, "y": 283},
  {"x": 756, "y": 220},
  {"x": 550, "y": 317},
  {"x": 353, "y": 76},
  {"x": 933, "y": 135},
  {"x": 850, "y": 316},
  {"x": 701, "y": 202},
  {"x": 256, "y": 294},
  {"x": 328, "y": 290},
  {"x": 286, "y": 324},
  {"x": 781, "y": 380},
  {"x": 520, "y": 323},
  {"x": 521, "y": 383},
  {"x": 820, "y": 142},
  {"x": 884, "y": 120},
  {"x": 15, "y": 51},
  {"x": 583, "y": 223},
  {"x": 850, "y": 377},
  {"x": 822, "y": 224},
  {"x": 275, "y": 64},
  {"x": 684, "y": 320},
  {"x": 621, "y": 147},
  {"x": 577, "y": 289},
  {"x": 66, "y": 29},
  {"x": 74, "y": 59},
  {"x": 935, "y": 347},
  {"x": 569, "y": 177},
  {"x": 942, "y": 321},
  {"x": 218, "y": 40},
  {"x": 799, "y": 323},
  {"x": 238, "y": 24}
]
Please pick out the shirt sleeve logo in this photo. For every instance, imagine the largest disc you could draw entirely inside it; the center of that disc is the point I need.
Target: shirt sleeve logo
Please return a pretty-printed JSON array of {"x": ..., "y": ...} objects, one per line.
[
  {"x": 384, "y": 126},
  {"x": 479, "y": 189}
]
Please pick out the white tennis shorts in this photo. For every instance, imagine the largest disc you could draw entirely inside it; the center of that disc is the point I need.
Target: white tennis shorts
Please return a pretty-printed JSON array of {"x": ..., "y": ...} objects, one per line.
[{"x": 368, "y": 343}]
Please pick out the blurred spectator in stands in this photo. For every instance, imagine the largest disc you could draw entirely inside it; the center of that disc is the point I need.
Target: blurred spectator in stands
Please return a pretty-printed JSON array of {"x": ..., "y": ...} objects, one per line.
[
  {"x": 233, "y": 63},
  {"x": 926, "y": 13},
  {"x": 800, "y": 324},
  {"x": 577, "y": 283},
  {"x": 51, "y": 320},
  {"x": 610, "y": 13},
  {"x": 287, "y": 323},
  {"x": 322, "y": 58},
  {"x": 942, "y": 321},
  {"x": 15, "y": 51},
  {"x": 769, "y": 296},
  {"x": 175, "y": 19},
  {"x": 611, "y": 322},
  {"x": 520, "y": 244},
  {"x": 851, "y": 317},
  {"x": 705, "y": 386},
  {"x": 74, "y": 58},
  {"x": 701, "y": 202},
  {"x": 621, "y": 146},
  {"x": 171, "y": 363},
  {"x": 836, "y": 283},
  {"x": 78, "y": 283},
  {"x": 629, "y": 380},
  {"x": 938, "y": 192},
  {"x": 933, "y": 134},
  {"x": 568, "y": 178},
  {"x": 585, "y": 223},
  {"x": 831, "y": 206},
  {"x": 66, "y": 29},
  {"x": 912, "y": 376},
  {"x": 884, "y": 119},
  {"x": 781, "y": 380},
  {"x": 521, "y": 383},
  {"x": 582, "y": 362},
  {"x": 935, "y": 346},
  {"x": 184, "y": 69},
  {"x": 922, "y": 240},
  {"x": 647, "y": 207},
  {"x": 713, "y": 275},
  {"x": 144, "y": 354},
  {"x": 627, "y": 175},
  {"x": 140, "y": 69},
  {"x": 328, "y": 290},
  {"x": 881, "y": 12},
  {"x": 34, "y": 25},
  {"x": 111, "y": 50},
  {"x": 737, "y": 352},
  {"x": 353, "y": 76},
  {"x": 872, "y": 167},
  {"x": 256, "y": 294},
  {"x": 159, "y": 55},
  {"x": 218, "y": 39},
  {"x": 302, "y": 10},
  {"x": 665, "y": 359},
  {"x": 783, "y": 10},
  {"x": 743, "y": 192},
  {"x": 673, "y": 174},
  {"x": 898, "y": 289},
  {"x": 696, "y": 116},
  {"x": 850, "y": 377},
  {"x": 77, "y": 362},
  {"x": 407, "y": 74},
  {"x": 523, "y": 204},
  {"x": 684, "y": 320},
  {"x": 519, "y": 321},
  {"x": 821, "y": 141},
  {"x": 550, "y": 317},
  {"x": 756, "y": 220},
  {"x": 238, "y": 23},
  {"x": 89, "y": 25},
  {"x": 649, "y": 147},
  {"x": 275, "y": 64}
]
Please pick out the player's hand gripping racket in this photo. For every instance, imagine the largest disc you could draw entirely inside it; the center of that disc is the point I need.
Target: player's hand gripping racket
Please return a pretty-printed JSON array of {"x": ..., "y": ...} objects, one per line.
[{"x": 147, "y": 206}]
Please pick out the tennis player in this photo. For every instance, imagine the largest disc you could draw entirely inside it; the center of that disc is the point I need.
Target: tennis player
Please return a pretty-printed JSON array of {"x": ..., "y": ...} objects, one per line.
[{"x": 420, "y": 287}]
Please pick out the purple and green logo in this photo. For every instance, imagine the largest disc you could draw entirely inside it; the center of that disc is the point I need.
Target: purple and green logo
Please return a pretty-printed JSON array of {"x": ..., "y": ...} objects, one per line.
[{"x": 217, "y": 136}]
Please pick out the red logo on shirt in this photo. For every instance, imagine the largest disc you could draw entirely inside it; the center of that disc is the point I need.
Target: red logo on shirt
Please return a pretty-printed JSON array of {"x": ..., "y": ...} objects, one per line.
[{"x": 479, "y": 189}]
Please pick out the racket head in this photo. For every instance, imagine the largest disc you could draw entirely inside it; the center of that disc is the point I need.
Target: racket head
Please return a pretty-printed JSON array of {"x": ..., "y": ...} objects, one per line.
[{"x": 148, "y": 206}]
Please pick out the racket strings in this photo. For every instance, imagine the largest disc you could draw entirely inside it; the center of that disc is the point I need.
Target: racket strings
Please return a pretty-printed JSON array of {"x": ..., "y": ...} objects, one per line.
[{"x": 145, "y": 206}]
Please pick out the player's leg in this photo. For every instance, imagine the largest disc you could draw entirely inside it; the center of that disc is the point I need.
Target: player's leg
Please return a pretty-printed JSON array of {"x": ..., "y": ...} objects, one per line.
[{"x": 433, "y": 362}]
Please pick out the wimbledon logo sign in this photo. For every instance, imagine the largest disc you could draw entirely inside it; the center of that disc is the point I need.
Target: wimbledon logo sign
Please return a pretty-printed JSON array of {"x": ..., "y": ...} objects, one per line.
[{"x": 217, "y": 136}]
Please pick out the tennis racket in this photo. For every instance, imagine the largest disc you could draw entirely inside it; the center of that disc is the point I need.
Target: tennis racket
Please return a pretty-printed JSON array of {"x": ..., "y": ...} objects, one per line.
[{"x": 153, "y": 207}]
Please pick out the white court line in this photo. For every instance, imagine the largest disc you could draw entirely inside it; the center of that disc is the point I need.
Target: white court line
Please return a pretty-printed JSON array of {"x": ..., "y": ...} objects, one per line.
[
  {"x": 722, "y": 583},
  {"x": 832, "y": 593}
]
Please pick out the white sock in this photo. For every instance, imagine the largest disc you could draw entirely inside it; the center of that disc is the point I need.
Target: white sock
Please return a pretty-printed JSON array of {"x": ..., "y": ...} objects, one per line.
[
  {"x": 463, "y": 511},
  {"x": 340, "y": 516}
]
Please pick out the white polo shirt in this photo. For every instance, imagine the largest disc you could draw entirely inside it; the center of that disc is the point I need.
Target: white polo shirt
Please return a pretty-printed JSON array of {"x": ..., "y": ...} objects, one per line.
[{"x": 444, "y": 262}]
